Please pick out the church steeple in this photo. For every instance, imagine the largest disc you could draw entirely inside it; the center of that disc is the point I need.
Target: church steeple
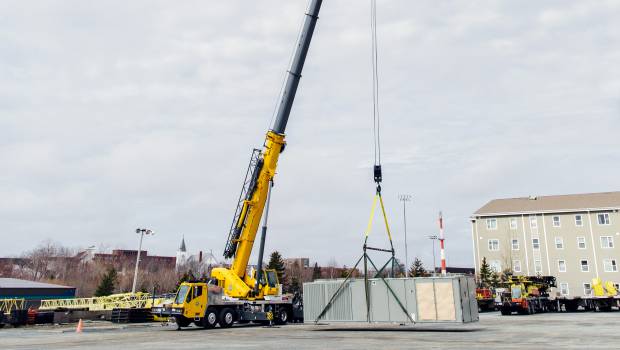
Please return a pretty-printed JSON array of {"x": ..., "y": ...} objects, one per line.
[
  {"x": 182, "y": 248},
  {"x": 182, "y": 254}
]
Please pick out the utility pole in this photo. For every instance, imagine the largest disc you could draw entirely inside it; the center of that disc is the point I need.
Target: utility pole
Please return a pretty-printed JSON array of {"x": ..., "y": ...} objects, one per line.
[
  {"x": 434, "y": 238},
  {"x": 405, "y": 198},
  {"x": 142, "y": 232},
  {"x": 442, "y": 246}
]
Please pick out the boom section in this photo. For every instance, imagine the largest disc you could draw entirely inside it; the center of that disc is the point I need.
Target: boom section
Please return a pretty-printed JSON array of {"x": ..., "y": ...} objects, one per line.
[
  {"x": 253, "y": 208},
  {"x": 297, "y": 65}
]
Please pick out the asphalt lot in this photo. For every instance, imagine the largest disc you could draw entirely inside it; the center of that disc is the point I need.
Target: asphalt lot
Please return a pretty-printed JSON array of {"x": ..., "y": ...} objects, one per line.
[{"x": 557, "y": 330}]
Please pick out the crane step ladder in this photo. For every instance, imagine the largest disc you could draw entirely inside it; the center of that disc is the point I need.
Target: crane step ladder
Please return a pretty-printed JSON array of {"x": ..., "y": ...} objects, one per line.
[{"x": 247, "y": 190}]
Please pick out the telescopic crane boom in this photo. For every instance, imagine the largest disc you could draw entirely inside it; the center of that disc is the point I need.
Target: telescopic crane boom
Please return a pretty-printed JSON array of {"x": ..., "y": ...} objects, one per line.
[{"x": 236, "y": 282}]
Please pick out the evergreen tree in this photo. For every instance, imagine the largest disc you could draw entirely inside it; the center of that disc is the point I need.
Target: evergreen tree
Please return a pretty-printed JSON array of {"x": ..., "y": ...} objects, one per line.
[
  {"x": 485, "y": 276},
  {"x": 277, "y": 263},
  {"x": 417, "y": 269},
  {"x": 187, "y": 276},
  {"x": 295, "y": 287},
  {"x": 495, "y": 279},
  {"x": 107, "y": 284},
  {"x": 316, "y": 272}
]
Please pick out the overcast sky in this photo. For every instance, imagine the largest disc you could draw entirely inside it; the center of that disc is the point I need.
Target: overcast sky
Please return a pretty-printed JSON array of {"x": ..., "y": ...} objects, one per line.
[{"x": 116, "y": 115}]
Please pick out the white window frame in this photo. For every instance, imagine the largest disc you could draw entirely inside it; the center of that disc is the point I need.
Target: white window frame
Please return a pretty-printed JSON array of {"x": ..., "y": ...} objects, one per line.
[
  {"x": 489, "y": 246},
  {"x": 516, "y": 266},
  {"x": 587, "y": 290},
  {"x": 512, "y": 244},
  {"x": 533, "y": 222},
  {"x": 609, "y": 240},
  {"x": 561, "y": 263},
  {"x": 612, "y": 264},
  {"x": 559, "y": 223},
  {"x": 606, "y": 220},
  {"x": 538, "y": 243},
  {"x": 564, "y": 286},
  {"x": 561, "y": 241},
  {"x": 587, "y": 266},
  {"x": 513, "y": 223},
  {"x": 579, "y": 222},
  {"x": 538, "y": 266},
  {"x": 492, "y": 227},
  {"x": 496, "y": 265},
  {"x": 585, "y": 244}
]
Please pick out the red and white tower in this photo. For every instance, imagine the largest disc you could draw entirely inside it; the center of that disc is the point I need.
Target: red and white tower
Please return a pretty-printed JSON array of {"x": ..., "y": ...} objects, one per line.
[{"x": 442, "y": 246}]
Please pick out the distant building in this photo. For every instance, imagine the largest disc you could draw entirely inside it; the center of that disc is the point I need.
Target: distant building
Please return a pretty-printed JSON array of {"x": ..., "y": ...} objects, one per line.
[
  {"x": 181, "y": 254},
  {"x": 301, "y": 262},
  {"x": 199, "y": 263},
  {"x": 572, "y": 237},
  {"x": 124, "y": 259},
  {"x": 457, "y": 270}
]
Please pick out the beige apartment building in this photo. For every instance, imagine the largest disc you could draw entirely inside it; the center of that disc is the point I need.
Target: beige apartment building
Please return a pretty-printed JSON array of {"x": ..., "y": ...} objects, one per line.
[{"x": 572, "y": 237}]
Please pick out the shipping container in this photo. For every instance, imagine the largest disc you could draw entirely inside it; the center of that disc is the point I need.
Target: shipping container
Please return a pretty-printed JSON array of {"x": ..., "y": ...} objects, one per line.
[{"x": 449, "y": 299}]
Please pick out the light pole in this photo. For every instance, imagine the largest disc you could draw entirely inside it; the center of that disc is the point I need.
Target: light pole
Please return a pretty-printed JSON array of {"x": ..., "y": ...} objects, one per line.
[
  {"x": 433, "y": 238},
  {"x": 405, "y": 198},
  {"x": 142, "y": 232}
]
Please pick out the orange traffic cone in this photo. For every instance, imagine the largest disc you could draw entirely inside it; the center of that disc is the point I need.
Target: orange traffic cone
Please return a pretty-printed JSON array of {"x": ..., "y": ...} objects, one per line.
[{"x": 79, "y": 326}]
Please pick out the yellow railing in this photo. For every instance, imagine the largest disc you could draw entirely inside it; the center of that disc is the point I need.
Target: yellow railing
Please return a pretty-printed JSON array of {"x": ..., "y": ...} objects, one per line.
[
  {"x": 125, "y": 300},
  {"x": 6, "y": 305}
]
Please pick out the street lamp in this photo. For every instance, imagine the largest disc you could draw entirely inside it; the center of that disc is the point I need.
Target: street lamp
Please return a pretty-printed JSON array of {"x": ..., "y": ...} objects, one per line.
[
  {"x": 142, "y": 232},
  {"x": 434, "y": 238},
  {"x": 405, "y": 198}
]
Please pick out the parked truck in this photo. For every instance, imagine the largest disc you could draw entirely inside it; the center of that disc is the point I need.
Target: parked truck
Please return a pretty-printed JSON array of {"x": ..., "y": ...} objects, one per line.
[{"x": 528, "y": 295}]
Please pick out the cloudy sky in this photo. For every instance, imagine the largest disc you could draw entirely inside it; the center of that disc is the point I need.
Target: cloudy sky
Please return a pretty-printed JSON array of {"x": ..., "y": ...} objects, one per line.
[{"x": 116, "y": 115}]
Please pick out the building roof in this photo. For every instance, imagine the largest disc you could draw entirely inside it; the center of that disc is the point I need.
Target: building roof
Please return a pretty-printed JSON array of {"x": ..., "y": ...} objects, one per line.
[
  {"x": 17, "y": 283},
  {"x": 182, "y": 248},
  {"x": 555, "y": 204}
]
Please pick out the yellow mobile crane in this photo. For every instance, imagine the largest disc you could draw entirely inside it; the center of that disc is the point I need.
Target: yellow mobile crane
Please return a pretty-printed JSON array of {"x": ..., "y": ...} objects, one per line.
[{"x": 234, "y": 294}]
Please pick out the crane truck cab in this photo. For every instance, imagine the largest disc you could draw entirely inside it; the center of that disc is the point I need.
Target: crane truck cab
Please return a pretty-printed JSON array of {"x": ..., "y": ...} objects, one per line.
[{"x": 206, "y": 304}]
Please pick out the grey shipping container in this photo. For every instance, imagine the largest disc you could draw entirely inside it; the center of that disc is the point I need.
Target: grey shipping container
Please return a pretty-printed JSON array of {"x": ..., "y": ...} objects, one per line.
[{"x": 449, "y": 299}]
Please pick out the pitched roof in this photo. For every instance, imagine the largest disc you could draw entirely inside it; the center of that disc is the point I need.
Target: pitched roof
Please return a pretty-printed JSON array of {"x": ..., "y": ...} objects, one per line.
[
  {"x": 17, "y": 283},
  {"x": 561, "y": 203},
  {"x": 182, "y": 247}
]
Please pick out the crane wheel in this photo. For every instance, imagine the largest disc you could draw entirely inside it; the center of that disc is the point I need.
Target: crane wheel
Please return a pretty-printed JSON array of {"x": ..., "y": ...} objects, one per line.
[
  {"x": 182, "y": 321},
  {"x": 282, "y": 317},
  {"x": 227, "y": 318},
  {"x": 210, "y": 319}
]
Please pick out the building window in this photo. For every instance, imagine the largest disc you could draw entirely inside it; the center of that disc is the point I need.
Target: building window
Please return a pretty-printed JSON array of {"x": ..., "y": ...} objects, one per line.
[
  {"x": 587, "y": 289},
  {"x": 537, "y": 266},
  {"x": 491, "y": 224},
  {"x": 610, "y": 265},
  {"x": 516, "y": 265},
  {"x": 562, "y": 265},
  {"x": 581, "y": 242},
  {"x": 496, "y": 266},
  {"x": 559, "y": 243},
  {"x": 513, "y": 223},
  {"x": 536, "y": 243},
  {"x": 607, "y": 242},
  {"x": 533, "y": 222},
  {"x": 556, "y": 221},
  {"x": 564, "y": 288},
  {"x": 578, "y": 220},
  {"x": 493, "y": 245},
  {"x": 584, "y": 265},
  {"x": 515, "y": 244},
  {"x": 603, "y": 219}
]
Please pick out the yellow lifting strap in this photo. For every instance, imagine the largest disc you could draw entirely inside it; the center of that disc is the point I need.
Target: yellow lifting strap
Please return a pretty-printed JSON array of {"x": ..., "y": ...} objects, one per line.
[{"x": 372, "y": 216}]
